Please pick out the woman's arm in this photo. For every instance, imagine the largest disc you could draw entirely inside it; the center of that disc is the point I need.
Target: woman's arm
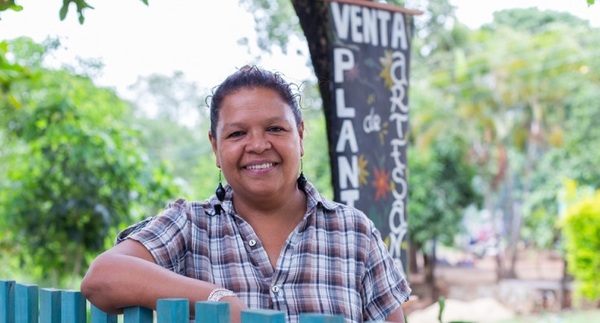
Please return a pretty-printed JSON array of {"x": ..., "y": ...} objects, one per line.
[
  {"x": 127, "y": 275},
  {"x": 397, "y": 316}
]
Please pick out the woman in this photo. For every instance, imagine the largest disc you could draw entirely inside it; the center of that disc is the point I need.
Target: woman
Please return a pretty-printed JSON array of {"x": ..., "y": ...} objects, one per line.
[{"x": 267, "y": 239}]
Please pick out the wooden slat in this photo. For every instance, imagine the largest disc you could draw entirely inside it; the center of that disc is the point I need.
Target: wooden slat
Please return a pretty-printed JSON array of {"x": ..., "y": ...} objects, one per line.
[
  {"x": 7, "y": 300},
  {"x": 50, "y": 305},
  {"x": 73, "y": 307},
  {"x": 138, "y": 314},
  {"x": 27, "y": 303},
  {"x": 98, "y": 316},
  {"x": 173, "y": 310},
  {"x": 379, "y": 5},
  {"x": 263, "y": 316},
  {"x": 212, "y": 312}
]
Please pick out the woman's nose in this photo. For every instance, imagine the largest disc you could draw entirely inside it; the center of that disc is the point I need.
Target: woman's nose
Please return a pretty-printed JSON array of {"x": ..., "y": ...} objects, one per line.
[{"x": 258, "y": 143}]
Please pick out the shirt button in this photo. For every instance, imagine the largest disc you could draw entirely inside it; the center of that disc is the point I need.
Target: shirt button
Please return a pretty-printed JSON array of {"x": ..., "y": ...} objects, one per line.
[
  {"x": 252, "y": 243},
  {"x": 275, "y": 289}
]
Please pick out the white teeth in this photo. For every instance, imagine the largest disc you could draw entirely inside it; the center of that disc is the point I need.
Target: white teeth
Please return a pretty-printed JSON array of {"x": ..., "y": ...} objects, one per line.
[{"x": 261, "y": 166}]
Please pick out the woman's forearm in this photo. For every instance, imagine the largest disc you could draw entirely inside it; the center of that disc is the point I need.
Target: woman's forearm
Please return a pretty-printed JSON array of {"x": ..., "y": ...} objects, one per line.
[{"x": 115, "y": 281}]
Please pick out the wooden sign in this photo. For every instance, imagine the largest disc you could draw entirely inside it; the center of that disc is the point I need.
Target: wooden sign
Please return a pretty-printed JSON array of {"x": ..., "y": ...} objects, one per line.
[{"x": 369, "y": 52}]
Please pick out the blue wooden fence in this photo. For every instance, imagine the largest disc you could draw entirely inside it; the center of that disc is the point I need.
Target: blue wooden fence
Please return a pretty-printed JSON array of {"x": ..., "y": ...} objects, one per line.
[{"x": 26, "y": 303}]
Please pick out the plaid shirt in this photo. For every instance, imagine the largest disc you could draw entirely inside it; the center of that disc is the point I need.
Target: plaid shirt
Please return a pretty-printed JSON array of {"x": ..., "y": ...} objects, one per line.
[{"x": 334, "y": 262}]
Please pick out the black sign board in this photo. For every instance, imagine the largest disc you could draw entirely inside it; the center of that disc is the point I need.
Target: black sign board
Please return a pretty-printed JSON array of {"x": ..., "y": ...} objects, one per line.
[{"x": 369, "y": 51}]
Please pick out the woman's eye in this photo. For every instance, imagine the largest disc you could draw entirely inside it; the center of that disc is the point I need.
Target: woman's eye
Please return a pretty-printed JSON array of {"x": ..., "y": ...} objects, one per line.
[
  {"x": 275, "y": 129},
  {"x": 235, "y": 134}
]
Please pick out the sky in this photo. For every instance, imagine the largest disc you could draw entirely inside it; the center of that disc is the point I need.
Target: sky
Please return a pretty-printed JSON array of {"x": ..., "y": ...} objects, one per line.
[{"x": 196, "y": 37}]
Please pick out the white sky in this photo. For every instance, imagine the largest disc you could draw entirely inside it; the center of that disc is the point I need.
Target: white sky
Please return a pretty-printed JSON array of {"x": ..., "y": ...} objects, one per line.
[{"x": 193, "y": 36}]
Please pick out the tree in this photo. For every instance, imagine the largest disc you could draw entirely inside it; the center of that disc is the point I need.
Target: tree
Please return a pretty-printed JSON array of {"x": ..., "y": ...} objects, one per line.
[
  {"x": 173, "y": 123},
  {"x": 441, "y": 188},
  {"x": 508, "y": 90},
  {"x": 73, "y": 170}
]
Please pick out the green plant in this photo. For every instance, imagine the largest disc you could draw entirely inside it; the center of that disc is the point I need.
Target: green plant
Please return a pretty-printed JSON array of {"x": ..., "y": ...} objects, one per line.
[
  {"x": 442, "y": 306},
  {"x": 581, "y": 229}
]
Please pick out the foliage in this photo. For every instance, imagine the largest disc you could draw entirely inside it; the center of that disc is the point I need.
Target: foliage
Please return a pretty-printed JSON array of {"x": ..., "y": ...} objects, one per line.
[
  {"x": 275, "y": 23},
  {"x": 440, "y": 181},
  {"x": 174, "y": 128},
  {"x": 81, "y": 6},
  {"x": 581, "y": 229},
  {"x": 572, "y": 158},
  {"x": 517, "y": 94},
  {"x": 316, "y": 162},
  {"x": 534, "y": 21},
  {"x": 73, "y": 168},
  {"x": 437, "y": 32},
  {"x": 10, "y": 5}
]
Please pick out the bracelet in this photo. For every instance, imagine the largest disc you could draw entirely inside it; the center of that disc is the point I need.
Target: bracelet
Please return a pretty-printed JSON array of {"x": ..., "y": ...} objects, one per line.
[{"x": 217, "y": 294}]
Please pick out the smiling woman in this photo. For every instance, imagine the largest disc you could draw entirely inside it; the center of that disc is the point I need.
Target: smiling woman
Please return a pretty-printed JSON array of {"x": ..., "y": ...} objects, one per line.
[
  {"x": 259, "y": 156},
  {"x": 267, "y": 239}
]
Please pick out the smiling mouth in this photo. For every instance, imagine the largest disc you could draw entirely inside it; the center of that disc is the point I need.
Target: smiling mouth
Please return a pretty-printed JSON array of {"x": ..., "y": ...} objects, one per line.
[{"x": 260, "y": 166}]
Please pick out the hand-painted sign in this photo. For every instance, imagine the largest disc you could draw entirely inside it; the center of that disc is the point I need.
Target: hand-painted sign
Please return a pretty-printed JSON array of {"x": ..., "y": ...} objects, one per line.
[{"x": 369, "y": 50}]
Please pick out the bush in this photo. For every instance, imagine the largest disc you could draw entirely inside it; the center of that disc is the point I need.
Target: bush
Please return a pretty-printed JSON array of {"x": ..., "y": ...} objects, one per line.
[{"x": 581, "y": 229}]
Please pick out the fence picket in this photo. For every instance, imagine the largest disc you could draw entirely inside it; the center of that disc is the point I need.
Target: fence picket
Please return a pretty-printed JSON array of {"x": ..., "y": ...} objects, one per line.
[
  {"x": 98, "y": 316},
  {"x": 26, "y": 303},
  {"x": 7, "y": 300},
  {"x": 138, "y": 314},
  {"x": 263, "y": 316},
  {"x": 175, "y": 310},
  {"x": 212, "y": 312},
  {"x": 50, "y": 307},
  {"x": 73, "y": 306}
]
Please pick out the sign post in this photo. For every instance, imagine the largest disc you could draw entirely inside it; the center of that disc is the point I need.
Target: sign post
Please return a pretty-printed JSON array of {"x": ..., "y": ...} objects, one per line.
[{"x": 369, "y": 47}]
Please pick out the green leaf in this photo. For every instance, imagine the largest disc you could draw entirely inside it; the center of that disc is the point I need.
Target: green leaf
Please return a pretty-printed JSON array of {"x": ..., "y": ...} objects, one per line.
[
  {"x": 10, "y": 4},
  {"x": 64, "y": 9}
]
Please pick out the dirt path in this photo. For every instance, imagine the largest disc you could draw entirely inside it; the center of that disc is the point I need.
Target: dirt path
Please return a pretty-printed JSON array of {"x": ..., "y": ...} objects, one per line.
[{"x": 473, "y": 293}]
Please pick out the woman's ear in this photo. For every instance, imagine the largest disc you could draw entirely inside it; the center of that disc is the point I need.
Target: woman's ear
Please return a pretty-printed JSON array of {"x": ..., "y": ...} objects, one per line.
[
  {"x": 301, "y": 135},
  {"x": 213, "y": 144}
]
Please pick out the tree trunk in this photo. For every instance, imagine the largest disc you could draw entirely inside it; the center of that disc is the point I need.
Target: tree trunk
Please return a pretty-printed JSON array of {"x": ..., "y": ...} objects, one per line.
[
  {"x": 429, "y": 269},
  {"x": 517, "y": 224},
  {"x": 514, "y": 219},
  {"x": 564, "y": 293},
  {"x": 495, "y": 233},
  {"x": 314, "y": 20},
  {"x": 413, "y": 267}
]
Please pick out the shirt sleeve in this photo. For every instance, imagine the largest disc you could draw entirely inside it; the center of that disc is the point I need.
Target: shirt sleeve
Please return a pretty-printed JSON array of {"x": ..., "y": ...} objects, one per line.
[
  {"x": 165, "y": 235},
  {"x": 384, "y": 285}
]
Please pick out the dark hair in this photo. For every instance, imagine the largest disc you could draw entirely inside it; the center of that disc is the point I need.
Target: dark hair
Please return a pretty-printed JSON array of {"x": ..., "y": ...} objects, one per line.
[{"x": 249, "y": 77}]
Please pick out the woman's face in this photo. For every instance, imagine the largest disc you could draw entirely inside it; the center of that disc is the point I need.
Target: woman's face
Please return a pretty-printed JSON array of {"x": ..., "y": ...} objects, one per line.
[{"x": 258, "y": 145}]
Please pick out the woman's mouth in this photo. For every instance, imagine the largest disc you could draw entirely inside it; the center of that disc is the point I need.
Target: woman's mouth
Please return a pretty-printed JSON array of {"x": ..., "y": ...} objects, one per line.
[{"x": 260, "y": 166}]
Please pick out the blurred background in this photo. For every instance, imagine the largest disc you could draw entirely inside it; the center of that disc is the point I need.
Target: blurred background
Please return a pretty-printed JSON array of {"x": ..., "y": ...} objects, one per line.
[{"x": 103, "y": 121}]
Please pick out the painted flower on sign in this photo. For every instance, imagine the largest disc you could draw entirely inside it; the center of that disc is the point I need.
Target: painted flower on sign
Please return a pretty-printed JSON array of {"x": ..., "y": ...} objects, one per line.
[{"x": 381, "y": 183}]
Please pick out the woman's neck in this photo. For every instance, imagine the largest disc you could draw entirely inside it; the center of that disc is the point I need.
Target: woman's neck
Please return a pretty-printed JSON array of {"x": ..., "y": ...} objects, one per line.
[{"x": 283, "y": 209}]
